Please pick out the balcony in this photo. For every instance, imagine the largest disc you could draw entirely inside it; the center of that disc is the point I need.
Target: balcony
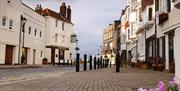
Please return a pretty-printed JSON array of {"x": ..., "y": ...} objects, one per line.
[
  {"x": 163, "y": 17},
  {"x": 139, "y": 28},
  {"x": 176, "y": 3},
  {"x": 148, "y": 24}
]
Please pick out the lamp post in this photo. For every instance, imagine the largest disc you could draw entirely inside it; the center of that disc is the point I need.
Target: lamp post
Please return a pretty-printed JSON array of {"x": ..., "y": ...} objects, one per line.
[
  {"x": 22, "y": 29},
  {"x": 118, "y": 48},
  {"x": 75, "y": 40}
]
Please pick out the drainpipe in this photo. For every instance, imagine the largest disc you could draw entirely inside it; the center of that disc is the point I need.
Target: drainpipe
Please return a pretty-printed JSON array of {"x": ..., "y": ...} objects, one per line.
[{"x": 19, "y": 56}]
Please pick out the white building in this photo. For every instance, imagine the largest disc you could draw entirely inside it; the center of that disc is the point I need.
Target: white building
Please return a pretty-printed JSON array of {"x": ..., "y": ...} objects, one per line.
[
  {"x": 59, "y": 29},
  {"x": 31, "y": 41},
  {"x": 10, "y": 13},
  {"x": 34, "y": 36},
  {"x": 168, "y": 32}
]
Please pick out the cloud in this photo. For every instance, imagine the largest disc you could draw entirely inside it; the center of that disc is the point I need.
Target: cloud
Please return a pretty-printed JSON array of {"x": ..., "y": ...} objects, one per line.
[{"x": 90, "y": 17}]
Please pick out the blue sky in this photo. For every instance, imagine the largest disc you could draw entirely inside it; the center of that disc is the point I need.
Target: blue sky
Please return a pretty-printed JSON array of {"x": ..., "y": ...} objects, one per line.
[{"x": 90, "y": 17}]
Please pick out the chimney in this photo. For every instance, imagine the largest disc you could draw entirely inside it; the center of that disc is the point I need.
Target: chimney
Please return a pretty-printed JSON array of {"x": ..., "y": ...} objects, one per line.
[
  {"x": 38, "y": 9},
  {"x": 63, "y": 10},
  {"x": 69, "y": 13}
]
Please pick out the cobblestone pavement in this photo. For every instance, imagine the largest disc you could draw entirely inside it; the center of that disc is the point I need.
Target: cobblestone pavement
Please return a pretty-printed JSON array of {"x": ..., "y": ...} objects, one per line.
[
  {"x": 129, "y": 79},
  {"x": 21, "y": 74}
]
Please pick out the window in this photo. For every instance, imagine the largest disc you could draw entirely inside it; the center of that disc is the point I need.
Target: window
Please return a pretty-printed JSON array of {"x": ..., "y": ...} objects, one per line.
[
  {"x": 163, "y": 6},
  {"x": 63, "y": 26},
  {"x": 35, "y": 32},
  {"x": 41, "y": 53},
  {"x": 29, "y": 30},
  {"x": 56, "y": 23},
  {"x": 56, "y": 38},
  {"x": 63, "y": 37},
  {"x": 10, "y": 24},
  {"x": 140, "y": 17},
  {"x": 128, "y": 33},
  {"x": 4, "y": 19},
  {"x": 156, "y": 5},
  {"x": 150, "y": 14},
  {"x": 40, "y": 34}
]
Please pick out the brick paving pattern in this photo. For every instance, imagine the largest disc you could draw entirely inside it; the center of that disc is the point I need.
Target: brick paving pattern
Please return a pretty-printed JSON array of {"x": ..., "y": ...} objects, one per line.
[{"x": 129, "y": 79}]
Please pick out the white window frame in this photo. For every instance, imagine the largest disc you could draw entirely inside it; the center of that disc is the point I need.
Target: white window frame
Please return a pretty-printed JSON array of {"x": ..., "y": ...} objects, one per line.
[
  {"x": 11, "y": 22},
  {"x": 4, "y": 24}
]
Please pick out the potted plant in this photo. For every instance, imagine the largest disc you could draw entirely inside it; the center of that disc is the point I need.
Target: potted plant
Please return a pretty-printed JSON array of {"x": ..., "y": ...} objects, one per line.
[{"x": 45, "y": 61}]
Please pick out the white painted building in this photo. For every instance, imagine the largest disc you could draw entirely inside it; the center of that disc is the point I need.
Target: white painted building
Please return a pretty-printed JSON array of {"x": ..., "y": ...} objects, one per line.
[
  {"x": 10, "y": 13},
  {"x": 59, "y": 30},
  {"x": 34, "y": 35},
  {"x": 41, "y": 31},
  {"x": 168, "y": 30}
]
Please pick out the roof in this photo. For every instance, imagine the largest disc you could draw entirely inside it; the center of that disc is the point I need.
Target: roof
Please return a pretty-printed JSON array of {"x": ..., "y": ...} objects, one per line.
[{"x": 48, "y": 12}]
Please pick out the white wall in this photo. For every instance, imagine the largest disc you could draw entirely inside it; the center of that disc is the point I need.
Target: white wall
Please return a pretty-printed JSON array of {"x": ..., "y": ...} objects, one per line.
[
  {"x": 52, "y": 30},
  {"x": 141, "y": 46},
  {"x": 38, "y": 22},
  {"x": 9, "y": 36},
  {"x": 177, "y": 54}
]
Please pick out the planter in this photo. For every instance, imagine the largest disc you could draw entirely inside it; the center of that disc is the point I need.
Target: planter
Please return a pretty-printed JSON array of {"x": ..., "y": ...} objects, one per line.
[
  {"x": 45, "y": 61},
  {"x": 138, "y": 65},
  {"x": 171, "y": 69},
  {"x": 154, "y": 67},
  {"x": 144, "y": 66},
  {"x": 160, "y": 67}
]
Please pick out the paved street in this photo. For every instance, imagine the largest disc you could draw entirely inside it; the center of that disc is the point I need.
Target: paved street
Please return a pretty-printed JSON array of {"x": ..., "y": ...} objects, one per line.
[{"x": 65, "y": 79}]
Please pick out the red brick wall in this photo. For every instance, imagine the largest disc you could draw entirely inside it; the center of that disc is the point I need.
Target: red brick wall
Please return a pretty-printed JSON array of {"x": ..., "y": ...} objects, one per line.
[{"x": 145, "y": 3}]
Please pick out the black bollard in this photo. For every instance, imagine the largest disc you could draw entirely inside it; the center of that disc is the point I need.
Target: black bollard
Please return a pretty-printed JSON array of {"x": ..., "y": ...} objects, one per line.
[
  {"x": 85, "y": 62},
  {"x": 63, "y": 62},
  {"x": 107, "y": 63},
  {"x": 71, "y": 62},
  {"x": 101, "y": 62},
  {"x": 90, "y": 62},
  {"x": 68, "y": 62},
  {"x": 77, "y": 62},
  {"x": 110, "y": 64},
  {"x": 94, "y": 62},
  {"x": 98, "y": 61}
]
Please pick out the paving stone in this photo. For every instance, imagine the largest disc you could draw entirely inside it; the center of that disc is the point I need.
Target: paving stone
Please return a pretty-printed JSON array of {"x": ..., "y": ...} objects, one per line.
[{"x": 106, "y": 79}]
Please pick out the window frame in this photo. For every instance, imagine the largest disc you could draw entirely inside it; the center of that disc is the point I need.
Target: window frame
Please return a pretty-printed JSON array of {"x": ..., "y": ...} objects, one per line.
[
  {"x": 63, "y": 26},
  {"x": 11, "y": 21},
  {"x": 4, "y": 22},
  {"x": 35, "y": 32}
]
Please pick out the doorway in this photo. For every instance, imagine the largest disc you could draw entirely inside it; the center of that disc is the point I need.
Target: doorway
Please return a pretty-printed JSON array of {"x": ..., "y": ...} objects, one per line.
[
  {"x": 9, "y": 55},
  {"x": 34, "y": 56}
]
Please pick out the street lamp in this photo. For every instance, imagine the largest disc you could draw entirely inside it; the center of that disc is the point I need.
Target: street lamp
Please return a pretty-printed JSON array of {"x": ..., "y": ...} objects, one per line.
[
  {"x": 118, "y": 47},
  {"x": 75, "y": 40},
  {"x": 22, "y": 29}
]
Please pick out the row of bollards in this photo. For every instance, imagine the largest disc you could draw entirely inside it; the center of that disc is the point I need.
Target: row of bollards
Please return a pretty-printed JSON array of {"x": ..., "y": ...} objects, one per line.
[{"x": 98, "y": 63}]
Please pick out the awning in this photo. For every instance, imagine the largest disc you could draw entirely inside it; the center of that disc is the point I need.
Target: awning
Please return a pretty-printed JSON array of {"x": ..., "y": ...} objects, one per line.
[{"x": 57, "y": 47}]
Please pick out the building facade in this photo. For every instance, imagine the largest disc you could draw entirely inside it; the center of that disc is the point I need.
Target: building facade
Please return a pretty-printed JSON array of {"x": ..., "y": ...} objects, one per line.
[
  {"x": 10, "y": 14},
  {"x": 109, "y": 43},
  {"x": 26, "y": 35}
]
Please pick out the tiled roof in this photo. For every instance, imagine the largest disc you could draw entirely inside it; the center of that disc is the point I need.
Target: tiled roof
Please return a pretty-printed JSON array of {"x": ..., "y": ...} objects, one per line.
[{"x": 48, "y": 12}]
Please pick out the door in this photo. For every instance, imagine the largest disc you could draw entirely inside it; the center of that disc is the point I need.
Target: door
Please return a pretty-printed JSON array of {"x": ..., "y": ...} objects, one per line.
[
  {"x": 34, "y": 56},
  {"x": 171, "y": 47},
  {"x": 53, "y": 56},
  {"x": 9, "y": 55},
  {"x": 25, "y": 55}
]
